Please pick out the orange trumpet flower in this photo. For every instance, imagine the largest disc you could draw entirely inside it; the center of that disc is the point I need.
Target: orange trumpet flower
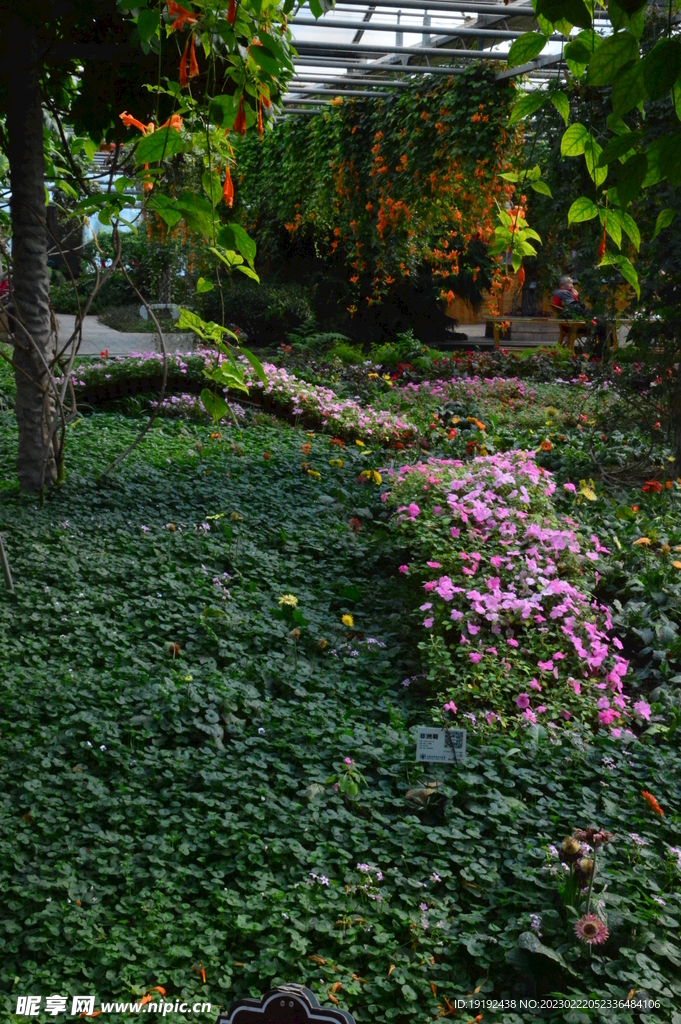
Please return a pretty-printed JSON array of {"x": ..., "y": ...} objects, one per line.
[
  {"x": 183, "y": 67},
  {"x": 228, "y": 189},
  {"x": 240, "y": 120},
  {"x": 131, "y": 122},
  {"x": 260, "y": 116},
  {"x": 193, "y": 63},
  {"x": 231, "y": 12},
  {"x": 601, "y": 247},
  {"x": 182, "y": 16}
]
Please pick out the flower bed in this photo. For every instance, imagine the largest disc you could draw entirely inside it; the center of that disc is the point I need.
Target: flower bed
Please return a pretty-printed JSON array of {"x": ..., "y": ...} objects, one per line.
[
  {"x": 322, "y": 406},
  {"x": 513, "y": 635},
  {"x": 286, "y": 394}
]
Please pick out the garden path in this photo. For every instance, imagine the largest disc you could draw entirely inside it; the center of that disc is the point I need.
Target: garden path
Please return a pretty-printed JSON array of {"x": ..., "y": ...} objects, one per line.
[{"x": 97, "y": 337}]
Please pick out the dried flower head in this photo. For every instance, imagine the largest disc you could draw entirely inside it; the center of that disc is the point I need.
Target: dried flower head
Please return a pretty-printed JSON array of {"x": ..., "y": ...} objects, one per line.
[
  {"x": 591, "y": 929},
  {"x": 295, "y": 634},
  {"x": 595, "y": 837},
  {"x": 570, "y": 849}
]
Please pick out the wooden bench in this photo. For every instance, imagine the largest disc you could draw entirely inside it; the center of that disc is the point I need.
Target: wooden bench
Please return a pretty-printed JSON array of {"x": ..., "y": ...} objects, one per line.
[{"x": 531, "y": 331}]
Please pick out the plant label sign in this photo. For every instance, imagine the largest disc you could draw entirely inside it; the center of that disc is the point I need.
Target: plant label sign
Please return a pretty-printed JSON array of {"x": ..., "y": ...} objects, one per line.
[
  {"x": 288, "y": 1004},
  {"x": 443, "y": 746}
]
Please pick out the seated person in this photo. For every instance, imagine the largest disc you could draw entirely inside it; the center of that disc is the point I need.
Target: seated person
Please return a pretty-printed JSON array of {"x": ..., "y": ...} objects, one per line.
[{"x": 565, "y": 299}]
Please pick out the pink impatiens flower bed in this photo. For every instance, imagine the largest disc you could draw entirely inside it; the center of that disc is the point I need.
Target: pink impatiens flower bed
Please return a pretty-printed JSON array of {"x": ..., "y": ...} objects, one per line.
[
  {"x": 512, "y": 632},
  {"x": 323, "y": 407}
]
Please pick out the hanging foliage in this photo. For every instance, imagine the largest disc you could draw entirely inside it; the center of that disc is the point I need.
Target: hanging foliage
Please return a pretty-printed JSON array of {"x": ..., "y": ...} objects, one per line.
[{"x": 388, "y": 185}]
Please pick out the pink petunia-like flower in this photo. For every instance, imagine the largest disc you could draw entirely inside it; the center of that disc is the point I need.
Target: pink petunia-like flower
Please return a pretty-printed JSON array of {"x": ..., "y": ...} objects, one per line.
[
  {"x": 473, "y": 629},
  {"x": 607, "y": 716},
  {"x": 428, "y": 622},
  {"x": 434, "y": 565},
  {"x": 591, "y": 929},
  {"x": 522, "y": 701},
  {"x": 456, "y": 615},
  {"x": 492, "y": 650},
  {"x": 570, "y": 487},
  {"x": 529, "y": 715},
  {"x": 511, "y": 642},
  {"x": 534, "y": 685},
  {"x": 475, "y": 657},
  {"x": 404, "y": 568},
  {"x": 546, "y": 666},
  {"x": 413, "y": 510},
  {"x": 454, "y": 531},
  {"x": 642, "y": 708},
  {"x": 450, "y": 707},
  {"x": 541, "y": 709}
]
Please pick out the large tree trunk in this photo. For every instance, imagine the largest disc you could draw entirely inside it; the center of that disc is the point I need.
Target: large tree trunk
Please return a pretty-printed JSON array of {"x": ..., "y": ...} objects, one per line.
[{"x": 30, "y": 282}]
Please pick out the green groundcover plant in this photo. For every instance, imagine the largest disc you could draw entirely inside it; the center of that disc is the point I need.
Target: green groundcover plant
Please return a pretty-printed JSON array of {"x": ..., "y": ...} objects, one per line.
[{"x": 207, "y": 753}]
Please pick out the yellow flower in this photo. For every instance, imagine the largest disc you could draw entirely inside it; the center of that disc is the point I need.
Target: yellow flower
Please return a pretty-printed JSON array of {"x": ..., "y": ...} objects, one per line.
[
  {"x": 314, "y": 474},
  {"x": 646, "y": 541},
  {"x": 289, "y": 600},
  {"x": 587, "y": 491},
  {"x": 677, "y": 565},
  {"x": 372, "y": 376},
  {"x": 348, "y": 621},
  {"x": 360, "y": 443},
  {"x": 371, "y": 474},
  {"x": 336, "y": 462}
]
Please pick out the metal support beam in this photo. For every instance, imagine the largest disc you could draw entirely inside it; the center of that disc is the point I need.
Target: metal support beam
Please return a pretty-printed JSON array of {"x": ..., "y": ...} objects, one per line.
[
  {"x": 344, "y": 80},
  {"x": 347, "y": 63},
  {"x": 450, "y": 6},
  {"x": 415, "y": 51},
  {"x": 453, "y": 31},
  {"x": 534, "y": 65},
  {"x": 290, "y": 98}
]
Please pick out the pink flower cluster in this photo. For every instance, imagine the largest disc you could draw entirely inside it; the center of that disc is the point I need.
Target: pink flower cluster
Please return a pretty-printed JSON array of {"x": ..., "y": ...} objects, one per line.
[
  {"x": 514, "y": 578},
  {"x": 340, "y": 415}
]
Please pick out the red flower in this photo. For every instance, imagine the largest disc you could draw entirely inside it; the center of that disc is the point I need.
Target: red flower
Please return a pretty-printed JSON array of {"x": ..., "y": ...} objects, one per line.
[
  {"x": 193, "y": 64},
  {"x": 228, "y": 189},
  {"x": 653, "y": 486},
  {"x": 183, "y": 67},
  {"x": 354, "y": 524},
  {"x": 182, "y": 16},
  {"x": 521, "y": 276},
  {"x": 104, "y": 354},
  {"x": 652, "y": 802},
  {"x": 601, "y": 247},
  {"x": 240, "y": 120}
]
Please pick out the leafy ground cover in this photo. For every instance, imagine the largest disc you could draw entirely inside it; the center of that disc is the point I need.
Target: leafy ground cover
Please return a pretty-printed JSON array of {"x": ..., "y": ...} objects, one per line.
[{"x": 211, "y": 683}]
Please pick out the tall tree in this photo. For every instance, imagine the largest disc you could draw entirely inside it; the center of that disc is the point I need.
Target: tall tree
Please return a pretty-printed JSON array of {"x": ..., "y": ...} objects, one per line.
[{"x": 88, "y": 62}]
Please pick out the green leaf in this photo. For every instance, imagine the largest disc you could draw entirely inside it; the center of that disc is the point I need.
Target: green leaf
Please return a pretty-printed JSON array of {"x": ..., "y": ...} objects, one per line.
[
  {"x": 592, "y": 152},
  {"x": 541, "y": 187},
  {"x": 562, "y": 105},
  {"x": 249, "y": 272},
  {"x": 264, "y": 60},
  {"x": 631, "y": 178},
  {"x": 574, "y": 139},
  {"x": 630, "y": 7},
  {"x": 626, "y": 269},
  {"x": 233, "y": 236},
  {"x": 582, "y": 209},
  {"x": 527, "y": 105},
  {"x": 628, "y": 89},
  {"x": 580, "y": 49},
  {"x": 223, "y": 110},
  {"x": 676, "y": 98},
  {"x": 525, "y": 48},
  {"x": 662, "y": 67},
  {"x": 163, "y": 144},
  {"x": 670, "y": 158},
  {"x": 631, "y": 228},
  {"x": 612, "y": 223},
  {"x": 212, "y": 186},
  {"x": 509, "y": 176},
  {"x": 574, "y": 11},
  {"x": 215, "y": 405},
  {"x": 255, "y": 363},
  {"x": 619, "y": 147},
  {"x": 664, "y": 219},
  {"x": 614, "y": 52},
  {"x": 148, "y": 22},
  {"x": 655, "y": 154},
  {"x": 203, "y": 286}
]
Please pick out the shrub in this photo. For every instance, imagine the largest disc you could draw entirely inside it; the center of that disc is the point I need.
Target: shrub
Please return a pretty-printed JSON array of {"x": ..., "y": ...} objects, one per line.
[{"x": 266, "y": 312}]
